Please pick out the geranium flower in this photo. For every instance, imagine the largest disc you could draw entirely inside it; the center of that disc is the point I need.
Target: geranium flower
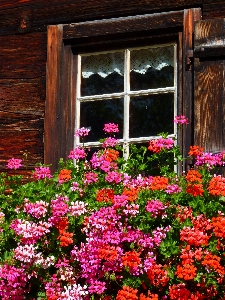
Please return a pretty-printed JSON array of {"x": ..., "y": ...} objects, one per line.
[
  {"x": 42, "y": 173},
  {"x": 81, "y": 132},
  {"x": 64, "y": 175},
  {"x": 111, "y": 128},
  {"x": 14, "y": 163},
  {"x": 180, "y": 120}
]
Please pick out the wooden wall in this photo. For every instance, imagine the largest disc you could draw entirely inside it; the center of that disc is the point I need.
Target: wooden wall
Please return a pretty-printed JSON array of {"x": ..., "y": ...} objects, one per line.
[{"x": 23, "y": 42}]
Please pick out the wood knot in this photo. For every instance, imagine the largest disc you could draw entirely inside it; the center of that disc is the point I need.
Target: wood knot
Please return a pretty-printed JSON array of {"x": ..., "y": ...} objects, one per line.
[{"x": 23, "y": 24}]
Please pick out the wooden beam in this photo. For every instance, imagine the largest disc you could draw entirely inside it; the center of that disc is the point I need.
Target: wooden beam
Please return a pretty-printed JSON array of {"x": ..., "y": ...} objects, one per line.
[
  {"x": 123, "y": 25},
  {"x": 53, "y": 92}
]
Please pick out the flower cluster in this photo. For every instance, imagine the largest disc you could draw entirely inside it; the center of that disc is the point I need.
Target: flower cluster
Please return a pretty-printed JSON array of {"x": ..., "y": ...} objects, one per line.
[
  {"x": 14, "y": 163},
  {"x": 81, "y": 132},
  {"x": 158, "y": 144},
  {"x": 108, "y": 229},
  {"x": 111, "y": 128},
  {"x": 180, "y": 120}
]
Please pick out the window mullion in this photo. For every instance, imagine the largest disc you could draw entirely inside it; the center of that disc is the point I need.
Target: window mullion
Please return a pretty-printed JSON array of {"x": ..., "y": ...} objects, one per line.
[
  {"x": 78, "y": 95},
  {"x": 126, "y": 102}
]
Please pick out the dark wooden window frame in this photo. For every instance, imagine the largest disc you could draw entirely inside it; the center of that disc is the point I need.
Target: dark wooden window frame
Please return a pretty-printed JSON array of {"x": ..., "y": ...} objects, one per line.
[{"x": 65, "y": 40}]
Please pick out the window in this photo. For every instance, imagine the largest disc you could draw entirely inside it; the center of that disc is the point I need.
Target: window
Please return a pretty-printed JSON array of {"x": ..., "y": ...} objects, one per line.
[
  {"x": 135, "y": 88},
  {"x": 77, "y": 52}
]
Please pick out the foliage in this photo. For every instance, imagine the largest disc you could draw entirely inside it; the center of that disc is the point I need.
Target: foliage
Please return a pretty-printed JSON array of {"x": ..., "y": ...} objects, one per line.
[{"x": 106, "y": 228}]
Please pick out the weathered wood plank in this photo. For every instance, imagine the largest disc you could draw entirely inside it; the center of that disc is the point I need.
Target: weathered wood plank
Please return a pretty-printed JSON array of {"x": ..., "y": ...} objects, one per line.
[
  {"x": 209, "y": 105},
  {"x": 23, "y": 96},
  {"x": 190, "y": 16},
  {"x": 15, "y": 141},
  {"x": 53, "y": 95},
  {"x": 23, "y": 56},
  {"x": 205, "y": 42},
  {"x": 123, "y": 25},
  {"x": 31, "y": 15}
]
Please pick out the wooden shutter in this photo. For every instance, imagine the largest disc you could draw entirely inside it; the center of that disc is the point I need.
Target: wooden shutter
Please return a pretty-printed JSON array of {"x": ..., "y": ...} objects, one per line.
[{"x": 209, "y": 101}]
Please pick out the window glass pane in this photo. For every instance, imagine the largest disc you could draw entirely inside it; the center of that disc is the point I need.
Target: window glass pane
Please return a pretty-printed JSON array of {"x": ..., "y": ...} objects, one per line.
[
  {"x": 95, "y": 114},
  {"x": 152, "y": 68},
  {"x": 150, "y": 115},
  {"x": 102, "y": 74}
]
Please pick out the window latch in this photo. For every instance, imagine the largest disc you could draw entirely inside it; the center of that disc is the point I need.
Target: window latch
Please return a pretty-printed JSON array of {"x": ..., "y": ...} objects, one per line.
[{"x": 189, "y": 60}]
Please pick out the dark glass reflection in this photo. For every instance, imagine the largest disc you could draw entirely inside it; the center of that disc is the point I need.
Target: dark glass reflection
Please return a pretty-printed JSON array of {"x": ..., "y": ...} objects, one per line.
[
  {"x": 152, "y": 114},
  {"x": 95, "y": 114},
  {"x": 152, "y": 79},
  {"x": 97, "y": 85}
]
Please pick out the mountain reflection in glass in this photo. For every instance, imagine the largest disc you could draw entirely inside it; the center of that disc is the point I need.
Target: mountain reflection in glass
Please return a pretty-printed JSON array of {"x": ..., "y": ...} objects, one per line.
[
  {"x": 94, "y": 114},
  {"x": 150, "y": 115},
  {"x": 152, "y": 68},
  {"x": 102, "y": 74}
]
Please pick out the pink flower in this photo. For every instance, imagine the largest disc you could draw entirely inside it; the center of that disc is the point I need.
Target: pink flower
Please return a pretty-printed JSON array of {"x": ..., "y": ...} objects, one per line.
[
  {"x": 173, "y": 188},
  {"x": 77, "y": 153},
  {"x": 157, "y": 145},
  {"x": 156, "y": 208},
  {"x": 77, "y": 208},
  {"x": 180, "y": 120},
  {"x": 110, "y": 142},
  {"x": 209, "y": 159},
  {"x": 90, "y": 178},
  {"x": 42, "y": 173},
  {"x": 111, "y": 127},
  {"x": 14, "y": 163},
  {"x": 114, "y": 177},
  {"x": 81, "y": 132},
  {"x": 37, "y": 209}
]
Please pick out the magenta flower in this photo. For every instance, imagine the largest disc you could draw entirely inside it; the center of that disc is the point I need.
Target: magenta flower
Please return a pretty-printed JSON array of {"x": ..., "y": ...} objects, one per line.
[
  {"x": 110, "y": 142},
  {"x": 180, "y": 120},
  {"x": 173, "y": 188},
  {"x": 156, "y": 208},
  {"x": 90, "y": 177},
  {"x": 209, "y": 159},
  {"x": 111, "y": 127},
  {"x": 77, "y": 153},
  {"x": 42, "y": 173},
  {"x": 14, "y": 163},
  {"x": 81, "y": 132},
  {"x": 114, "y": 177}
]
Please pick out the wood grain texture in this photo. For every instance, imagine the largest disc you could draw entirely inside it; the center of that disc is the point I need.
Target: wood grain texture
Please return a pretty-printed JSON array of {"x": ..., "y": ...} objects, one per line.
[
  {"x": 22, "y": 117},
  {"x": 126, "y": 25},
  {"x": 209, "y": 105},
  {"x": 23, "y": 56},
  {"x": 209, "y": 84},
  {"x": 60, "y": 99},
  {"x": 39, "y": 14},
  {"x": 190, "y": 16},
  {"x": 205, "y": 42},
  {"x": 53, "y": 96}
]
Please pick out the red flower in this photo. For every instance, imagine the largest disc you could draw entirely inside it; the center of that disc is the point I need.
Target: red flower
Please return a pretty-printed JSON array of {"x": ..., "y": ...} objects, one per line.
[
  {"x": 217, "y": 186},
  {"x": 157, "y": 275},
  {"x": 64, "y": 175},
  {"x": 159, "y": 183},
  {"x": 127, "y": 293},
  {"x": 195, "y": 189},
  {"x": 186, "y": 271},
  {"x": 105, "y": 195},
  {"x": 131, "y": 193},
  {"x": 195, "y": 150},
  {"x": 131, "y": 259}
]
